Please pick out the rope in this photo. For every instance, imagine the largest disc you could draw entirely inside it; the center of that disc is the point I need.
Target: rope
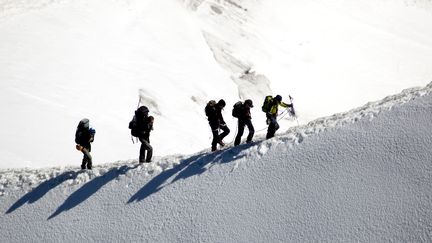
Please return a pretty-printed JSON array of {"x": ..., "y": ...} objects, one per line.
[{"x": 280, "y": 118}]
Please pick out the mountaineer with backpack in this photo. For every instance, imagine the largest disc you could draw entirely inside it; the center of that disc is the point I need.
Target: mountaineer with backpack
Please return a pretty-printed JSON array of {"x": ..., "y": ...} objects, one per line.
[
  {"x": 242, "y": 112},
  {"x": 213, "y": 112},
  {"x": 140, "y": 126},
  {"x": 270, "y": 107},
  {"x": 84, "y": 136}
]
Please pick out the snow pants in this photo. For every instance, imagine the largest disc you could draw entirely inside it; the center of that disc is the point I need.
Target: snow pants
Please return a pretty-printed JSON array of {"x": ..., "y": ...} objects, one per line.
[
  {"x": 87, "y": 158},
  {"x": 216, "y": 136},
  {"x": 272, "y": 128},
  {"x": 145, "y": 146},
  {"x": 241, "y": 126}
]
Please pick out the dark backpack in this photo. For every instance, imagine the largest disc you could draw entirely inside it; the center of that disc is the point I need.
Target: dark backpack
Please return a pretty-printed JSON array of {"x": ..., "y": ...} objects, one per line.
[
  {"x": 209, "y": 109},
  {"x": 140, "y": 116},
  {"x": 133, "y": 126},
  {"x": 82, "y": 129},
  {"x": 267, "y": 103},
  {"x": 142, "y": 112},
  {"x": 237, "y": 109}
]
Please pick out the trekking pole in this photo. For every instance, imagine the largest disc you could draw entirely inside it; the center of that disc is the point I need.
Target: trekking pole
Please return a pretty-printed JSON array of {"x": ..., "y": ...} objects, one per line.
[{"x": 139, "y": 101}]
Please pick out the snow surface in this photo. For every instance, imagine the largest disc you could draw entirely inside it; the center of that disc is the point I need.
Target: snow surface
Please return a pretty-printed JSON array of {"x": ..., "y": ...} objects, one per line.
[
  {"x": 64, "y": 60},
  {"x": 364, "y": 175},
  {"x": 338, "y": 175}
]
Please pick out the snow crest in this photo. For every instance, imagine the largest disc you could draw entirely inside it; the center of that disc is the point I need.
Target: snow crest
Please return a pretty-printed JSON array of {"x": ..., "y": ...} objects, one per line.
[{"x": 28, "y": 179}]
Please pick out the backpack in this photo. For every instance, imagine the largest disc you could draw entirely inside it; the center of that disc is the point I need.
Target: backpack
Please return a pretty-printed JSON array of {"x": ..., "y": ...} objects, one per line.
[
  {"x": 142, "y": 112},
  {"x": 267, "y": 103},
  {"x": 133, "y": 126},
  {"x": 237, "y": 109},
  {"x": 82, "y": 128},
  {"x": 140, "y": 115},
  {"x": 209, "y": 107},
  {"x": 92, "y": 134}
]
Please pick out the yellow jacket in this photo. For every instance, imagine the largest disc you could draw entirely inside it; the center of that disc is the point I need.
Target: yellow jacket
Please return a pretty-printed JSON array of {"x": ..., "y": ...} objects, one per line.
[{"x": 274, "y": 108}]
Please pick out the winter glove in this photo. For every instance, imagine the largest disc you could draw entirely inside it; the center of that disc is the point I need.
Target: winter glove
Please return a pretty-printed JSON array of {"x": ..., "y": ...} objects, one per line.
[{"x": 79, "y": 147}]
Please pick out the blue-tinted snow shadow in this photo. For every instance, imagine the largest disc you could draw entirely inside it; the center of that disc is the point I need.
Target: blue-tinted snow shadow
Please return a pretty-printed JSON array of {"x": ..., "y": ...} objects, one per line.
[
  {"x": 90, "y": 188},
  {"x": 38, "y": 192},
  {"x": 187, "y": 168}
]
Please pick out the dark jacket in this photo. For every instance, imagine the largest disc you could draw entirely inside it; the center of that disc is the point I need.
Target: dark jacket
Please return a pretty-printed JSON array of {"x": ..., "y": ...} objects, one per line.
[
  {"x": 144, "y": 127},
  {"x": 84, "y": 137},
  {"x": 215, "y": 117},
  {"x": 245, "y": 113}
]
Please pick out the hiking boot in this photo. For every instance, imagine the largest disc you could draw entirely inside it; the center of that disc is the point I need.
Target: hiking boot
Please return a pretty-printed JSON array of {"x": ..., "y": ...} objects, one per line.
[{"x": 221, "y": 143}]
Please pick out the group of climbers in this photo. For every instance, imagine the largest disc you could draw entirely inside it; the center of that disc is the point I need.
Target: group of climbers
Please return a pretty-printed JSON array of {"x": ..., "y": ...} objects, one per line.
[
  {"x": 241, "y": 111},
  {"x": 142, "y": 124}
]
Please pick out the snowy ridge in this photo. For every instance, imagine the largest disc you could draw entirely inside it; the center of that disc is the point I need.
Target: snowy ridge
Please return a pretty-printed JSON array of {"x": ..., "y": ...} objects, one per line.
[
  {"x": 370, "y": 110},
  {"x": 27, "y": 179},
  {"x": 57, "y": 54}
]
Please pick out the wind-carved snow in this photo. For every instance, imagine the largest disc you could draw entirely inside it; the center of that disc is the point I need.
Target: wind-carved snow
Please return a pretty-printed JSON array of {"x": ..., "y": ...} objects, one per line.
[{"x": 223, "y": 24}]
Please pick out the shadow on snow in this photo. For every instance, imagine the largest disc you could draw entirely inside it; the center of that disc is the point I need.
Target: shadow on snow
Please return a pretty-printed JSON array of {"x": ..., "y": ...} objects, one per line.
[
  {"x": 192, "y": 166},
  {"x": 37, "y": 193},
  {"x": 90, "y": 188}
]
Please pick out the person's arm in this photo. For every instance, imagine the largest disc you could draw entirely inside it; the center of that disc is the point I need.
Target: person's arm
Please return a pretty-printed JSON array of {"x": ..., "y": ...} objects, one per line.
[
  {"x": 285, "y": 105},
  {"x": 221, "y": 120}
]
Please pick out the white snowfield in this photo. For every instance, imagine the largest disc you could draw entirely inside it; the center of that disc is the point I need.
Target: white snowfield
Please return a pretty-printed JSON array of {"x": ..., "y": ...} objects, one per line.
[
  {"x": 363, "y": 176},
  {"x": 63, "y": 60},
  {"x": 336, "y": 174}
]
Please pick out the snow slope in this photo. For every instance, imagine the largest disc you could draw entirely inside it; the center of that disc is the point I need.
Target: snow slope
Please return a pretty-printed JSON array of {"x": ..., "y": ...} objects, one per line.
[
  {"x": 64, "y": 60},
  {"x": 363, "y": 175}
]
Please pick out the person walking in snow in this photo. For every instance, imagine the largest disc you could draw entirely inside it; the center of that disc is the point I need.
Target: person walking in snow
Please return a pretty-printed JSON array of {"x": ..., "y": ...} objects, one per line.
[
  {"x": 84, "y": 136},
  {"x": 213, "y": 111},
  {"x": 272, "y": 113},
  {"x": 141, "y": 126},
  {"x": 244, "y": 119},
  {"x": 144, "y": 138}
]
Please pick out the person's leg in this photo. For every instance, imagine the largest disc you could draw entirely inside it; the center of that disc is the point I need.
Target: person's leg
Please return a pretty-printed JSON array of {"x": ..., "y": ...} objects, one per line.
[
  {"x": 215, "y": 139},
  {"x": 251, "y": 130},
  {"x": 240, "y": 131},
  {"x": 142, "y": 150},
  {"x": 87, "y": 159},
  {"x": 149, "y": 149},
  {"x": 84, "y": 161},
  {"x": 272, "y": 128},
  {"x": 225, "y": 132}
]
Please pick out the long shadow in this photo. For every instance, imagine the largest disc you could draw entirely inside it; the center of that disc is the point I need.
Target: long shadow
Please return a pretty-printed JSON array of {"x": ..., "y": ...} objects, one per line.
[
  {"x": 156, "y": 184},
  {"x": 225, "y": 156},
  {"x": 187, "y": 168},
  {"x": 90, "y": 188},
  {"x": 43, "y": 188}
]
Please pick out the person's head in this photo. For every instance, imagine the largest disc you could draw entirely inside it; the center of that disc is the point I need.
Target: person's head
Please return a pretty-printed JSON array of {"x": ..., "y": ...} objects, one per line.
[
  {"x": 221, "y": 103},
  {"x": 278, "y": 98},
  {"x": 249, "y": 103}
]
